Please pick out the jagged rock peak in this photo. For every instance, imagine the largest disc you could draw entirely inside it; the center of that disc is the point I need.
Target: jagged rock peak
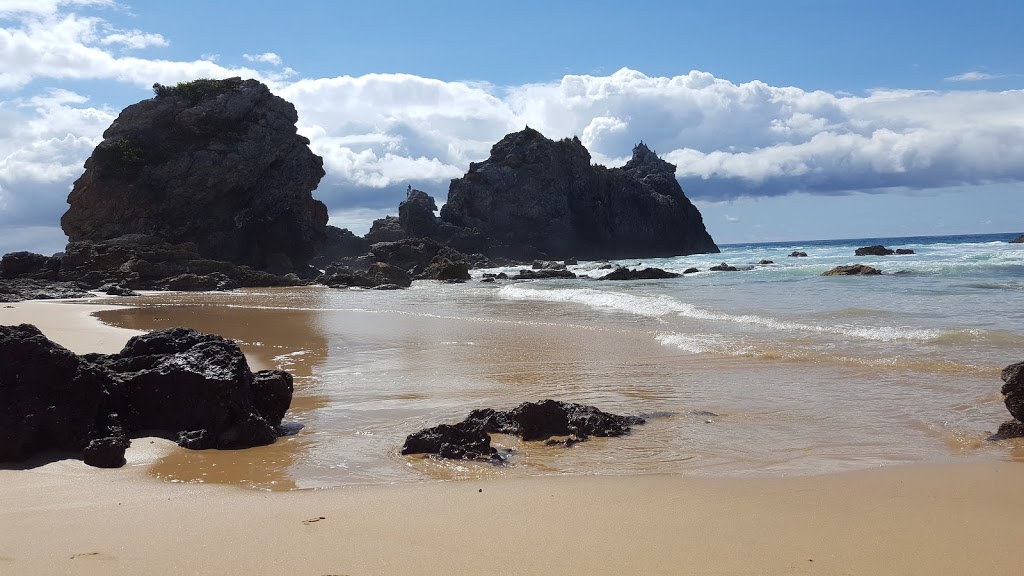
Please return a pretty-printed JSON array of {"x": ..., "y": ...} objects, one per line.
[
  {"x": 215, "y": 162},
  {"x": 540, "y": 198}
]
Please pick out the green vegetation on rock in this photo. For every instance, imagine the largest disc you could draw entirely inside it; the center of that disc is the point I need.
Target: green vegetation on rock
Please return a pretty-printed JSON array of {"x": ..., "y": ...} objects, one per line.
[{"x": 197, "y": 90}]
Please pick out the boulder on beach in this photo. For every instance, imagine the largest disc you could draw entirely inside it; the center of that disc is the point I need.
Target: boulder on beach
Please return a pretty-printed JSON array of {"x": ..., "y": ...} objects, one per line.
[
  {"x": 196, "y": 388},
  {"x": 852, "y": 270},
  {"x": 470, "y": 440},
  {"x": 217, "y": 163}
]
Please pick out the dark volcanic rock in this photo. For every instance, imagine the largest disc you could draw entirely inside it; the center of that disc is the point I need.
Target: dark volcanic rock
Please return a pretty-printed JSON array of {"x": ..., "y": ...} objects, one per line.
[
  {"x": 30, "y": 266},
  {"x": 723, "y": 267},
  {"x": 876, "y": 250},
  {"x": 337, "y": 244},
  {"x": 547, "y": 418},
  {"x": 1018, "y": 240},
  {"x": 765, "y": 262},
  {"x": 466, "y": 440},
  {"x": 798, "y": 254},
  {"x": 623, "y": 273},
  {"x": 442, "y": 268},
  {"x": 377, "y": 275},
  {"x": 193, "y": 386},
  {"x": 214, "y": 162},
  {"x": 50, "y": 399},
  {"x": 386, "y": 229},
  {"x": 904, "y": 251},
  {"x": 18, "y": 289},
  {"x": 147, "y": 263},
  {"x": 541, "y": 274},
  {"x": 691, "y": 271},
  {"x": 106, "y": 452},
  {"x": 537, "y": 198},
  {"x": 852, "y": 270},
  {"x": 1010, "y": 429},
  {"x": 1013, "y": 389},
  {"x": 469, "y": 439}
]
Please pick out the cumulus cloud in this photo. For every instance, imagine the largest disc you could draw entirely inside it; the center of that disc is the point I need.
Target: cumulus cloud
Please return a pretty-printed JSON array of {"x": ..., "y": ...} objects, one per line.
[
  {"x": 266, "y": 57},
  {"x": 134, "y": 39},
  {"x": 379, "y": 132}
]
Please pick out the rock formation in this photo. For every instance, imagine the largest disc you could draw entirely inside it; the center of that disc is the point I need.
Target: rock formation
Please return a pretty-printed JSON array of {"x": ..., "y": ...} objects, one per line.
[
  {"x": 852, "y": 270},
  {"x": 195, "y": 387},
  {"x": 470, "y": 440},
  {"x": 1013, "y": 392},
  {"x": 798, "y": 254},
  {"x": 1018, "y": 240},
  {"x": 537, "y": 198},
  {"x": 623, "y": 273},
  {"x": 217, "y": 163}
]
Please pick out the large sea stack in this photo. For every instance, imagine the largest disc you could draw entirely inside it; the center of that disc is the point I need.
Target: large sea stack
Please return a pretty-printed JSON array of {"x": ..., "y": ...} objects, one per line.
[
  {"x": 538, "y": 198},
  {"x": 217, "y": 163}
]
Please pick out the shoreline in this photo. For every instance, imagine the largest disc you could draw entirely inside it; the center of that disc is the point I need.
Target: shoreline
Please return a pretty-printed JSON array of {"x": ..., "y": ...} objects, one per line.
[{"x": 61, "y": 516}]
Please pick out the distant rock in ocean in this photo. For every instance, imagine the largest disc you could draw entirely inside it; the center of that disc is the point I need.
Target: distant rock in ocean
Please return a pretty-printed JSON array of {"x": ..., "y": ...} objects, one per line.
[
  {"x": 852, "y": 270},
  {"x": 215, "y": 163},
  {"x": 539, "y": 198},
  {"x": 1018, "y": 240}
]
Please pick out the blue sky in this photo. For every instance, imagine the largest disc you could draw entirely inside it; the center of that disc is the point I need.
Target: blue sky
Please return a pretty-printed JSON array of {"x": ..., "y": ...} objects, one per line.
[{"x": 787, "y": 120}]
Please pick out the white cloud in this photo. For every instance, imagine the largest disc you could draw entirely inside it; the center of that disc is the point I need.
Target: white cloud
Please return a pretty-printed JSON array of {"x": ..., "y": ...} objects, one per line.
[
  {"x": 135, "y": 39},
  {"x": 731, "y": 219},
  {"x": 45, "y": 7},
  {"x": 973, "y": 76},
  {"x": 266, "y": 57}
]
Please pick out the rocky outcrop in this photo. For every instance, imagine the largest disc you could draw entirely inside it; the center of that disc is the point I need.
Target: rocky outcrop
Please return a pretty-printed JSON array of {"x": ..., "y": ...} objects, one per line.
[
  {"x": 542, "y": 274},
  {"x": 765, "y": 262},
  {"x": 852, "y": 270},
  {"x": 470, "y": 440},
  {"x": 30, "y": 266},
  {"x": 876, "y": 250},
  {"x": 217, "y": 163},
  {"x": 1013, "y": 397},
  {"x": 537, "y": 198},
  {"x": 338, "y": 244},
  {"x": 197, "y": 388},
  {"x": 723, "y": 267},
  {"x": 798, "y": 254},
  {"x": 416, "y": 220},
  {"x": 18, "y": 289},
  {"x": 1018, "y": 240},
  {"x": 903, "y": 251},
  {"x": 378, "y": 275},
  {"x": 623, "y": 273}
]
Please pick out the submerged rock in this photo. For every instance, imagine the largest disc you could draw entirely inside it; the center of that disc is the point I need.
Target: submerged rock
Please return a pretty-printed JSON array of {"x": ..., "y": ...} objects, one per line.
[
  {"x": 623, "y": 273},
  {"x": 469, "y": 439},
  {"x": 723, "y": 267},
  {"x": 903, "y": 251},
  {"x": 876, "y": 250},
  {"x": 852, "y": 270},
  {"x": 798, "y": 254}
]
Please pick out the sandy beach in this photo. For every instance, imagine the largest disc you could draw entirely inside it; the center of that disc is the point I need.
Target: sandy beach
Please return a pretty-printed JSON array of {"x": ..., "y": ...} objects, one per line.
[{"x": 62, "y": 517}]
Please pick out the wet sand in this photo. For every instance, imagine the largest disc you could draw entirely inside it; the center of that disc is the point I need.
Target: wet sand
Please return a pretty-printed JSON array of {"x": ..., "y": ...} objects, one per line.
[{"x": 65, "y": 518}]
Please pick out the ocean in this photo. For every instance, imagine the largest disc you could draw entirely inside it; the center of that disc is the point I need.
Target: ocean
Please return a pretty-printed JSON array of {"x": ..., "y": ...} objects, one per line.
[{"x": 772, "y": 370}]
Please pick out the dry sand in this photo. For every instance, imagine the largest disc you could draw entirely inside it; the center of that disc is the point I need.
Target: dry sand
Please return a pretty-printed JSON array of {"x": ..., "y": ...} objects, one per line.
[{"x": 65, "y": 518}]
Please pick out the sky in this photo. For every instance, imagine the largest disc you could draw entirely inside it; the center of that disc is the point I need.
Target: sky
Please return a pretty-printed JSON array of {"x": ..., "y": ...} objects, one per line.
[{"x": 787, "y": 120}]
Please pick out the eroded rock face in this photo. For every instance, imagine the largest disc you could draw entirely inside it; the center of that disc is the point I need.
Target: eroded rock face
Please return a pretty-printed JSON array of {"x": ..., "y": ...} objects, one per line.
[
  {"x": 214, "y": 162},
  {"x": 537, "y": 198}
]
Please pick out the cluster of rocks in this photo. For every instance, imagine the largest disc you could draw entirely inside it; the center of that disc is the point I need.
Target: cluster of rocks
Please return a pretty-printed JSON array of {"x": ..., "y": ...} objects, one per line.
[
  {"x": 879, "y": 250},
  {"x": 1013, "y": 392},
  {"x": 196, "y": 388},
  {"x": 470, "y": 439}
]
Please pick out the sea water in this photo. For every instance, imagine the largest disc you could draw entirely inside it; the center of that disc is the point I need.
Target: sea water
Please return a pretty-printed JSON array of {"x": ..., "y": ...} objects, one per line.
[{"x": 769, "y": 370}]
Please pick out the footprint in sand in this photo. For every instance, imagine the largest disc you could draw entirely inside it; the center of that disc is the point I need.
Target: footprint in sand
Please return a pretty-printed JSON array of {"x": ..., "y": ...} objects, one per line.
[{"x": 311, "y": 520}]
